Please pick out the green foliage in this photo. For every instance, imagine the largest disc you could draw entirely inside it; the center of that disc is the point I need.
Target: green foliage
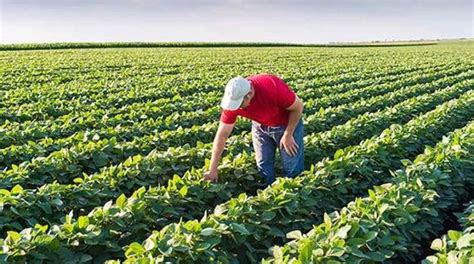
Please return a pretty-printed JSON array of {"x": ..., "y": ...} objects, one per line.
[
  {"x": 396, "y": 218},
  {"x": 456, "y": 246},
  {"x": 102, "y": 152},
  {"x": 300, "y": 202}
]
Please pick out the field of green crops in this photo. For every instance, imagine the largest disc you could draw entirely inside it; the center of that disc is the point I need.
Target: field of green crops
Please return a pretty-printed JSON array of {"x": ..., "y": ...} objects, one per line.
[{"x": 103, "y": 151}]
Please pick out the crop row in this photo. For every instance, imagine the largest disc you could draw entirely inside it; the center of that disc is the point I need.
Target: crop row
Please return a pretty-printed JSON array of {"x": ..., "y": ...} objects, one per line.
[
  {"x": 393, "y": 222},
  {"x": 457, "y": 246},
  {"x": 244, "y": 222},
  {"x": 65, "y": 125},
  {"x": 367, "y": 92},
  {"x": 48, "y": 110}
]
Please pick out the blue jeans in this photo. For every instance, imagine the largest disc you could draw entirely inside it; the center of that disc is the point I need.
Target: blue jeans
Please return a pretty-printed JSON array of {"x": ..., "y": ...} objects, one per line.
[{"x": 265, "y": 141}]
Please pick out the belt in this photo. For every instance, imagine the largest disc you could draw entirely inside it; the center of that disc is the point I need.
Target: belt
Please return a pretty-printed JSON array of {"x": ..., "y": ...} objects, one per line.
[{"x": 267, "y": 128}]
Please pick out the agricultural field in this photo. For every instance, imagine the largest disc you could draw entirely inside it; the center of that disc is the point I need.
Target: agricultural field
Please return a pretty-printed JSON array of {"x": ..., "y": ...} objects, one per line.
[{"x": 103, "y": 151}]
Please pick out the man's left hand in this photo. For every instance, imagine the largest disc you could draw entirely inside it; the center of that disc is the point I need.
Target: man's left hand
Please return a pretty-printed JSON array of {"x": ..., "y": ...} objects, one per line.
[{"x": 289, "y": 144}]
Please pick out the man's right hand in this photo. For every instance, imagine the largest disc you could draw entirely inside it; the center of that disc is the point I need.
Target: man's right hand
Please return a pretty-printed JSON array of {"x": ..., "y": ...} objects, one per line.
[
  {"x": 211, "y": 176},
  {"x": 222, "y": 134}
]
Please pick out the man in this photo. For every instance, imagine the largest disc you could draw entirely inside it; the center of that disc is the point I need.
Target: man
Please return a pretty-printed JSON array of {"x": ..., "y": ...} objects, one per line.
[{"x": 275, "y": 111}]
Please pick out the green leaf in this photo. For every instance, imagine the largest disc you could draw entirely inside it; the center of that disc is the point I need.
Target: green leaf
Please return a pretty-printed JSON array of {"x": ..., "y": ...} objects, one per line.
[
  {"x": 183, "y": 191},
  {"x": 100, "y": 159},
  {"x": 57, "y": 202},
  {"x": 134, "y": 249},
  {"x": 78, "y": 180},
  {"x": 17, "y": 190},
  {"x": 437, "y": 244},
  {"x": 318, "y": 252},
  {"x": 342, "y": 232},
  {"x": 430, "y": 260},
  {"x": 305, "y": 251},
  {"x": 121, "y": 201},
  {"x": 296, "y": 234},
  {"x": 277, "y": 253},
  {"x": 41, "y": 228},
  {"x": 46, "y": 207},
  {"x": 454, "y": 235},
  {"x": 13, "y": 236},
  {"x": 37, "y": 255},
  {"x": 339, "y": 153},
  {"x": 372, "y": 194},
  {"x": 208, "y": 231},
  {"x": 139, "y": 193},
  {"x": 327, "y": 221},
  {"x": 355, "y": 228},
  {"x": 465, "y": 241},
  {"x": 203, "y": 246},
  {"x": 356, "y": 241},
  {"x": 218, "y": 210},
  {"x": 358, "y": 253},
  {"x": 85, "y": 258},
  {"x": 207, "y": 163},
  {"x": 371, "y": 235},
  {"x": 239, "y": 228},
  {"x": 149, "y": 244},
  {"x": 383, "y": 208},
  {"x": 433, "y": 212},
  {"x": 268, "y": 215},
  {"x": 83, "y": 221},
  {"x": 215, "y": 240},
  {"x": 376, "y": 256},
  {"x": 419, "y": 182}
]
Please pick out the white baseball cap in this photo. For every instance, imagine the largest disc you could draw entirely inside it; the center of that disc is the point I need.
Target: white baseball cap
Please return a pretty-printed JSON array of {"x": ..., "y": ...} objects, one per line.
[{"x": 235, "y": 90}]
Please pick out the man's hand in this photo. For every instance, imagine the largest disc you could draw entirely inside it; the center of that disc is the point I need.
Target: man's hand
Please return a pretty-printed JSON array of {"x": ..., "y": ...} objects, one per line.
[
  {"x": 222, "y": 134},
  {"x": 289, "y": 144},
  {"x": 211, "y": 176}
]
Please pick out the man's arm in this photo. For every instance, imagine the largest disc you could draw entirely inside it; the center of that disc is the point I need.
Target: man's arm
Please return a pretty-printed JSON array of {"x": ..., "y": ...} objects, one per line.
[
  {"x": 223, "y": 132},
  {"x": 287, "y": 141}
]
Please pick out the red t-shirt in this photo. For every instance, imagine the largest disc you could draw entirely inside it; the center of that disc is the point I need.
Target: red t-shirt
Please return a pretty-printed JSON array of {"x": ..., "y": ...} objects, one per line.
[{"x": 268, "y": 105}]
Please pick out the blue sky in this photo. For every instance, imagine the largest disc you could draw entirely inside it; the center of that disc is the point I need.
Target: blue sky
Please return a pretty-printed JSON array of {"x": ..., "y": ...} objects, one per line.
[{"x": 296, "y": 21}]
